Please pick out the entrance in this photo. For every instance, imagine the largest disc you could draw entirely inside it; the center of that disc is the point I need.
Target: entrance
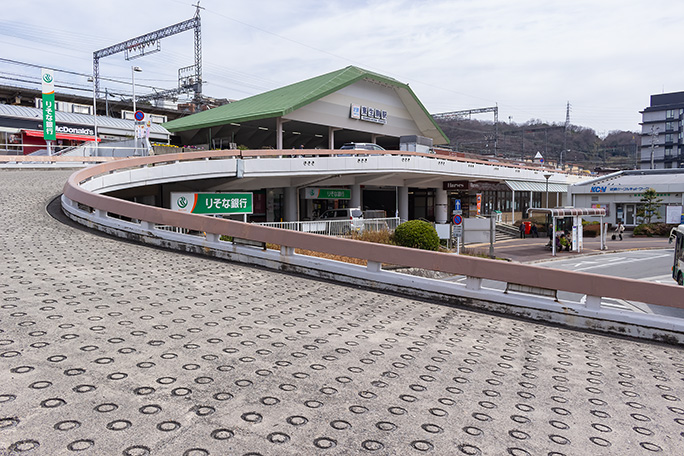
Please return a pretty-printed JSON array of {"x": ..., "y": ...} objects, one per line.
[{"x": 630, "y": 213}]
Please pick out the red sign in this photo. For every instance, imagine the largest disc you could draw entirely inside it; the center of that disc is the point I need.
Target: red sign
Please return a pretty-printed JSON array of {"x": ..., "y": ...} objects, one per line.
[{"x": 457, "y": 219}]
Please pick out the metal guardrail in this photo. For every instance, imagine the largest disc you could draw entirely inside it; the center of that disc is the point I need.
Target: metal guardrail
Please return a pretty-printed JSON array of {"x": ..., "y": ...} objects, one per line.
[{"x": 338, "y": 227}]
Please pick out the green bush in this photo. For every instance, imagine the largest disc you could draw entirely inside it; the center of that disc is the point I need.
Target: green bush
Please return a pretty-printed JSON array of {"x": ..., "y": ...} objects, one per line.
[
  {"x": 653, "y": 229},
  {"x": 417, "y": 234}
]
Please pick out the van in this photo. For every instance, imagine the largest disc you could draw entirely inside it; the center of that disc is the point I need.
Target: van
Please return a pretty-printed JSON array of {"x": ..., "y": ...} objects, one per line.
[{"x": 353, "y": 214}]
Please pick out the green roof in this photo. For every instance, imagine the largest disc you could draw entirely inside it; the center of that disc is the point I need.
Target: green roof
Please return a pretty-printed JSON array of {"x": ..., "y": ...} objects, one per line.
[{"x": 282, "y": 101}]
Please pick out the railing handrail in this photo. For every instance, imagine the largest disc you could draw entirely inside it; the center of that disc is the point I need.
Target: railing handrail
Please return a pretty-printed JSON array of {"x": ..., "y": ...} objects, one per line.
[{"x": 529, "y": 275}]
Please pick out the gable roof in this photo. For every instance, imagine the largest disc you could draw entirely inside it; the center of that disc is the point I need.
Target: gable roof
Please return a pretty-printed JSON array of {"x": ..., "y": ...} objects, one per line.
[{"x": 282, "y": 101}]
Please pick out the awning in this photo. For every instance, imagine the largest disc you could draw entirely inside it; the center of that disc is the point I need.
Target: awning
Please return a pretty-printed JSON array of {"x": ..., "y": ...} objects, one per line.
[
  {"x": 530, "y": 186},
  {"x": 9, "y": 130},
  {"x": 39, "y": 134},
  {"x": 568, "y": 211}
]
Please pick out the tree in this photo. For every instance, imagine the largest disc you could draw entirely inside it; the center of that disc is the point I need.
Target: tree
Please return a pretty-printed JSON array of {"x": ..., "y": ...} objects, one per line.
[{"x": 650, "y": 206}]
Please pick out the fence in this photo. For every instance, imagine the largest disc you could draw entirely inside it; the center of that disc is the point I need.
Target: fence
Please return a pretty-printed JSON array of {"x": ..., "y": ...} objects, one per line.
[{"x": 338, "y": 227}]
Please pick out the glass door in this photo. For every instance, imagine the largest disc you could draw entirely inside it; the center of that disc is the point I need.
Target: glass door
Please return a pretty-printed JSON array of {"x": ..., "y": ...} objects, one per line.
[{"x": 629, "y": 214}]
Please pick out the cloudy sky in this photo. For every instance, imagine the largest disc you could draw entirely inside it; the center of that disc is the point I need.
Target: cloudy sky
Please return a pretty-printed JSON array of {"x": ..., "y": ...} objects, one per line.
[{"x": 531, "y": 57}]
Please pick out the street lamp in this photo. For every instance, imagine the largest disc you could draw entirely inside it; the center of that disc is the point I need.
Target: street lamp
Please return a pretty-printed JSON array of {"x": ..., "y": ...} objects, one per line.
[
  {"x": 547, "y": 177},
  {"x": 92, "y": 79},
  {"x": 134, "y": 69}
]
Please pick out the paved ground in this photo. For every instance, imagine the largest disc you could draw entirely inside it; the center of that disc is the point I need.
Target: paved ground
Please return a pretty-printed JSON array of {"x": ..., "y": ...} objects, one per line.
[
  {"x": 110, "y": 348},
  {"x": 531, "y": 250}
]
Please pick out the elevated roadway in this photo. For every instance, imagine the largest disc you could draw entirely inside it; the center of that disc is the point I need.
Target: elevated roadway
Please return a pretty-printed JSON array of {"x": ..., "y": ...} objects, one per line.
[{"x": 113, "y": 348}]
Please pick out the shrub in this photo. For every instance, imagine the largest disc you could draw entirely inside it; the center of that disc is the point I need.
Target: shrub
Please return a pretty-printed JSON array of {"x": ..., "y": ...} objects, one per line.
[
  {"x": 417, "y": 234},
  {"x": 652, "y": 229}
]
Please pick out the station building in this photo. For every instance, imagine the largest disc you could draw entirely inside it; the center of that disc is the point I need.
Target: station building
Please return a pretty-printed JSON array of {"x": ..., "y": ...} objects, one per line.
[{"x": 355, "y": 105}]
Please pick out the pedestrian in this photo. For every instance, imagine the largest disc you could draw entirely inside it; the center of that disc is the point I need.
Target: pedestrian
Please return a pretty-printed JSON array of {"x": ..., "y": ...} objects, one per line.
[
  {"x": 619, "y": 229},
  {"x": 522, "y": 230},
  {"x": 533, "y": 231}
]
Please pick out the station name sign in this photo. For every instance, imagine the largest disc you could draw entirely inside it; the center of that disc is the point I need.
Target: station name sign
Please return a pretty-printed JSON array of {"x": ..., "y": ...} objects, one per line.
[{"x": 368, "y": 114}]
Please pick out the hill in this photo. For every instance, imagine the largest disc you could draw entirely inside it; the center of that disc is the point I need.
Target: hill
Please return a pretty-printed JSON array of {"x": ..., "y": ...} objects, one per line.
[{"x": 579, "y": 145}]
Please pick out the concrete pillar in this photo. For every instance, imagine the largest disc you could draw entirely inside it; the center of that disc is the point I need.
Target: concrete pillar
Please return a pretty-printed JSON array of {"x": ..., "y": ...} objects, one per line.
[
  {"x": 291, "y": 200},
  {"x": 331, "y": 137},
  {"x": 403, "y": 200},
  {"x": 279, "y": 133},
  {"x": 441, "y": 203},
  {"x": 513, "y": 207},
  {"x": 356, "y": 196}
]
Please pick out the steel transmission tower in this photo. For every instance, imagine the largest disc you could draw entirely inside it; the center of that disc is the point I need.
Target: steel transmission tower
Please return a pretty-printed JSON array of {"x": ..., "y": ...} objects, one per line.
[
  {"x": 189, "y": 78},
  {"x": 451, "y": 115}
]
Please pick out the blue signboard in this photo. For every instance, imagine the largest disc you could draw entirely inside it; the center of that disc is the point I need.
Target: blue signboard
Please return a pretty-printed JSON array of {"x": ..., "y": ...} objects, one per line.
[
  {"x": 457, "y": 220},
  {"x": 457, "y": 205}
]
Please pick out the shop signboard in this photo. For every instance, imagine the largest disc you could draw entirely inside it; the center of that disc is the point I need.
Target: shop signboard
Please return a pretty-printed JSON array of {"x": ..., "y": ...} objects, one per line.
[
  {"x": 479, "y": 203},
  {"x": 48, "y": 85},
  {"x": 327, "y": 193},
  {"x": 456, "y": 185},
  {"x": 212, "y": 203}
]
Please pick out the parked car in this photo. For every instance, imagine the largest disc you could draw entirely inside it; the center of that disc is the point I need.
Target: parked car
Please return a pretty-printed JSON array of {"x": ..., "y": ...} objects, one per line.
[
  {"x": 352, "y": 214},
  {"x": 361, "y": 146}
]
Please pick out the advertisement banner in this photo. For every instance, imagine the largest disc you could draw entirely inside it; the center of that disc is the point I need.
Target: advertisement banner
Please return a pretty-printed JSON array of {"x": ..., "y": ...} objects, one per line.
[
  {"x": 479, "y": 203},
  {"x": 48, "y": 85},
  {"x": 213, "y": 203}
]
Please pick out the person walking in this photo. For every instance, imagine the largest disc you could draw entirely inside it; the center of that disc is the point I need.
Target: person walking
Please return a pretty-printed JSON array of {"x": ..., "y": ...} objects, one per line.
[
  {"x": 533, "y": 231},
  {"x": 619, "y": 229},
  {"x": 522, "y": 230}
]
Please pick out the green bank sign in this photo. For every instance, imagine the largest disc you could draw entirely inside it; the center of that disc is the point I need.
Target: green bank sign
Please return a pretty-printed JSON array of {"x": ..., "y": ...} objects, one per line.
[
  {"x": 212, "y": 203},
  {"x": 48, "y": 85},
  {"x": 328, "y": 193}
]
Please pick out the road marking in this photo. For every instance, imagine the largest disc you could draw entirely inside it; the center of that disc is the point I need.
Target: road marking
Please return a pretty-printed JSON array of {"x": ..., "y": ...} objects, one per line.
[{"x": 633, "y": 260}]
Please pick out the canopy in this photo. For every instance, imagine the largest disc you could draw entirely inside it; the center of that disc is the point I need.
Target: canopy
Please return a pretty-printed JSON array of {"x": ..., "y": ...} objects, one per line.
[
  {"x": 568, "y": 211},
  {"x": 529, "y": 186}
]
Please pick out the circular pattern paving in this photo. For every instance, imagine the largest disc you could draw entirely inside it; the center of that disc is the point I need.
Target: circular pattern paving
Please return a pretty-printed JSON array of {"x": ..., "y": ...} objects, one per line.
[{"x": 131, "y": 350}]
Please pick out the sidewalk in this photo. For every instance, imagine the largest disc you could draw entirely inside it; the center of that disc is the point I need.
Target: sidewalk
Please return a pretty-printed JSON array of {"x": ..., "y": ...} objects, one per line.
[{"x": 531, "y": 250}]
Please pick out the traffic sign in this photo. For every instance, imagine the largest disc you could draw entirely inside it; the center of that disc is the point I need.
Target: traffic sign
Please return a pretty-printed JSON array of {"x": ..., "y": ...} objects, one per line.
[
  {"x": 457, "y": 205},
  {"x": 456, "y": 231},
  {"x": 457, "y": 220},
  {"x": 139, "y": 115}
]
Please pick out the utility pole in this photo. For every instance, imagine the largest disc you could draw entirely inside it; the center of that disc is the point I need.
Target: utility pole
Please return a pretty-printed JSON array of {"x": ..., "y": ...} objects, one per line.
[{"x": 565, "y": 133}]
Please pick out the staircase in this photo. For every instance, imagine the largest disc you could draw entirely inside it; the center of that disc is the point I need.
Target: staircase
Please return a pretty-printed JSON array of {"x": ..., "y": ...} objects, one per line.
[{"x": 506, "y": 231}]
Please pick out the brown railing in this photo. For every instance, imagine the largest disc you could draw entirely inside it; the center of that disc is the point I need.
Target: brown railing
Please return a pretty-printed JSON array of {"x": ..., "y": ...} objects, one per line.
[{"x": 533, "y": 276}]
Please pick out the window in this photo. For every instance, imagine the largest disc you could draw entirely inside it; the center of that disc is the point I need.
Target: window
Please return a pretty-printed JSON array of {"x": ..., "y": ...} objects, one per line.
[
  {"x": 669, "y": 138},
  {"x": 668, "y": 165},
  {"x": 669, "y": 114},
  {"x": 669, "y": 126},
  {"x": 668, "y": 152}
]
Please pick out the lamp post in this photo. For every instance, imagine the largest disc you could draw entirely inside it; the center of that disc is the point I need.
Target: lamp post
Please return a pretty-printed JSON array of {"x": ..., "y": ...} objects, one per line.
[
  {"x": 92, "y": 79},
  {"x": 134, "y": 69},
  {"x": 547, "y": 177}
]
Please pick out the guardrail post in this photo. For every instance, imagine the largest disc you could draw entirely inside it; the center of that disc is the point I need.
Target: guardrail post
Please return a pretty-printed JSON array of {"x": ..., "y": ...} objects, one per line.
[
  {"x": 99, "y": 213},
  {"x": 374, "y": 266},
  {"x": 473, "y": 283},
  {"x": 212, "y": 237},
  {"x": 145, "y": 225},
  {"x": 593, "y": 302},
  {"x": 287, "y": 251}
]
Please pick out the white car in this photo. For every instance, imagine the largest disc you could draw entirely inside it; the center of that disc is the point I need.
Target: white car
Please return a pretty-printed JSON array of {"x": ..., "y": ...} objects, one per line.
[{"x": 352, "y": 214}]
